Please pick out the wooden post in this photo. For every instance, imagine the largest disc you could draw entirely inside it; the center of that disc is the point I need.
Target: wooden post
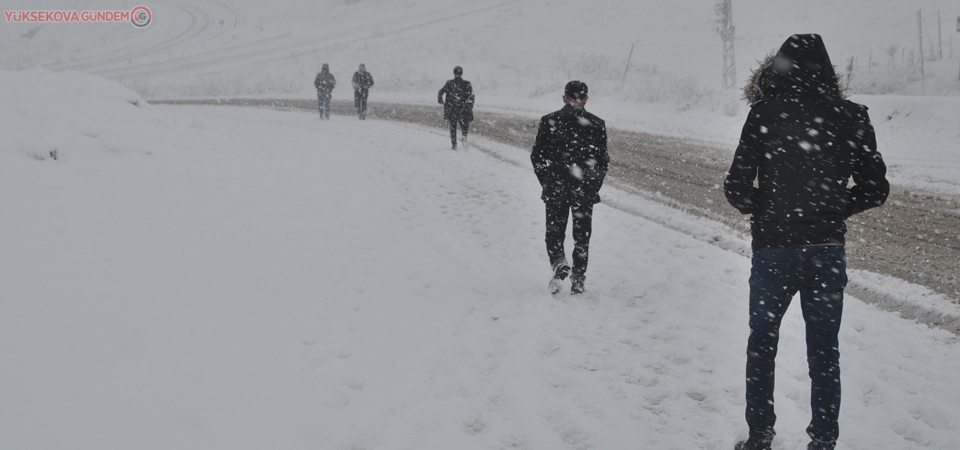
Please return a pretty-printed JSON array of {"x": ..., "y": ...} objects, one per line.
[{"x": 624, "y": 80}]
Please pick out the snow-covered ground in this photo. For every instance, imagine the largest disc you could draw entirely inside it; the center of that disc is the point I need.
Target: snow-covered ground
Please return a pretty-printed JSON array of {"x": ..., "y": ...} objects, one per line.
[
  {"x": 228, "y": 278},
  {"x": 211, "y": 277}
]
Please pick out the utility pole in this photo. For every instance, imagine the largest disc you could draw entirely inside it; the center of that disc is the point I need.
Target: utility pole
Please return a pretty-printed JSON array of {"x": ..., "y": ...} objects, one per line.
[
  {"x": 939, "y": 37},
  {"x": 725, "y": 10},
  {"x": 923, "y": 80}
]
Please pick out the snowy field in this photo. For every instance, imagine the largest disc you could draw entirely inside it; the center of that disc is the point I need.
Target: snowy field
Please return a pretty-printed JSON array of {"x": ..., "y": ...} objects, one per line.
[{"x": 229, "y": 278}]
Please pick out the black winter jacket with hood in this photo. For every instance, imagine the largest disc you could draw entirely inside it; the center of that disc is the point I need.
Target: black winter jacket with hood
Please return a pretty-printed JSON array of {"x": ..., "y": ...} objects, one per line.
[
  {"x": 325, "y": 82},
  {"x": 803, "y": 142}
]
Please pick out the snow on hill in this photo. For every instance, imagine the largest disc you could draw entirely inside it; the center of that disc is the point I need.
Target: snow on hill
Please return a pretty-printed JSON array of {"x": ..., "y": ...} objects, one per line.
[
  {"x": 518, "y": 54},
  {"x": 48, "y": 114}
]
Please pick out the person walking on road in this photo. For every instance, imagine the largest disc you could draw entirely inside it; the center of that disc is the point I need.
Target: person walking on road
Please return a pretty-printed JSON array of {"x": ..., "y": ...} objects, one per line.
[
  {"x": 802, "y": 142},
  {"x": 362, "y": 82},
  {"x": 324, "y": 82},
  {"x": 456, "y": 96},
  {"x": 570, "y": 160}
]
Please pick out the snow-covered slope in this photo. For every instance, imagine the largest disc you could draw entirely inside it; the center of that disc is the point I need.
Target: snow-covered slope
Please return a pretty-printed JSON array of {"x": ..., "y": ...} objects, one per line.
[{"x": 518, "y": 54}]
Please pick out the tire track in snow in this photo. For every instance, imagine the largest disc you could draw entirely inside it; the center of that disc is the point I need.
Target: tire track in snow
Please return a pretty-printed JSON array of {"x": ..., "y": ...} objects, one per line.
[
  {"x": 274, "y": 48},
  {"x": 199, "y": 22}
]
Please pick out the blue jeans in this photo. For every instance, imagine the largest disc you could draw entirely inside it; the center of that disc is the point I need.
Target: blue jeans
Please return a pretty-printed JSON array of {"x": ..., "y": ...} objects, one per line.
[
  {"x": 818, "y": 273},
  {"x": 324, "y": 103}
]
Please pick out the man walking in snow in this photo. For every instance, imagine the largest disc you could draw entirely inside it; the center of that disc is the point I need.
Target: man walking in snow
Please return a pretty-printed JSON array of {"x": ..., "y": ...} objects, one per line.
[
  {"x": 362, "y": 82},
  {"x": 325, "y": 82},
  {"x": 570, "y": 160},
  {"x": 802, "y": 142},
  {"x": 456, "y": 96}
]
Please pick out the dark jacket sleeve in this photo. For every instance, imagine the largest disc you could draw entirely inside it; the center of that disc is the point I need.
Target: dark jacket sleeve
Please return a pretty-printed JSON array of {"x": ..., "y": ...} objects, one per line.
[
  {"x": 738, "y": 186},
  {"x": 441, "y": 92},
  {"x": 869, "y": 175},
  {"x": 597, "y": 163},
  {"x": 541, "y": 157}
]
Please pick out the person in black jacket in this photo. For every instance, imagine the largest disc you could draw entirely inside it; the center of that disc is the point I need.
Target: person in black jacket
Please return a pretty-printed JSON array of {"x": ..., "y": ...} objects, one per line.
[
  {"x": 362, "y": 82},
  {"x": 325, "y": 82},
  {"x": 570, "y": 160},
  {"x": 457, "y": 105},
  {"x": 802, "y": 142}
]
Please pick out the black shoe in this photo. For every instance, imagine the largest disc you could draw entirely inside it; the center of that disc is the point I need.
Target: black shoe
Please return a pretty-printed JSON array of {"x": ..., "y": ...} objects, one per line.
[
  {"x": 576, "y": 285},
  {"x": 821, "y": 445},
  {"x": 751, "y": 444},
  {"x": 555, "y": 286},
  {"x": 560, "y": 271}
]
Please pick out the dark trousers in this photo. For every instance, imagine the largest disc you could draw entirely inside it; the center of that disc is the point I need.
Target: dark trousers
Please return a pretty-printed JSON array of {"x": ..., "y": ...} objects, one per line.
[
  {"x": 360, "y": 101},
  {"x": 818, "y": 273},
  {"x": 324, "y": 103},
  {"x": 464, "y": 128},
  {"x": 557, "y": 215}
]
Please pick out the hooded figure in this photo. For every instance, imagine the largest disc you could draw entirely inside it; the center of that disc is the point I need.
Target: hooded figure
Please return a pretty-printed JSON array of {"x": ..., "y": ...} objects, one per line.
[
  {"x": 362, "y": 82},
  {"x": 324, "y": 82},
  {"x": 802, "y": 143}
]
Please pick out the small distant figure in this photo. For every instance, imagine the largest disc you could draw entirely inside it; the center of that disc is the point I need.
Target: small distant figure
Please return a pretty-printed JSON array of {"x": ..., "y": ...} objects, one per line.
[
  {"x": 362, "y": 82},
  {"x": 325, "y": 82},
  {"x": 801, "y": 144},
  {"x": 457, "y": 105},
  {"x": 570, "y": 159}
]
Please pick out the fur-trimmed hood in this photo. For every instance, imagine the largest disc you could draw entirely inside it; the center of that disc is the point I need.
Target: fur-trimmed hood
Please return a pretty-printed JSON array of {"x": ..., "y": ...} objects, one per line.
[{"x": 801, "y": 68}]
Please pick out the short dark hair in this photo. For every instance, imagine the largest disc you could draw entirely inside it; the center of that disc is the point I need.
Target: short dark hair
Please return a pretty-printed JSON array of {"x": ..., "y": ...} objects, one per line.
[
  {"x": 575, "y": 90},
  {"x": 458, "y": 71}
]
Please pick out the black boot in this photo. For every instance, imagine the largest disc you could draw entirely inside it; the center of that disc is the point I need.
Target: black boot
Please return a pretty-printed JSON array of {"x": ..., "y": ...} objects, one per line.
[
  {"x": 576, "y": 284},
  {"x": 560, "y": 271},
  {"x": 751, "y": 444}
]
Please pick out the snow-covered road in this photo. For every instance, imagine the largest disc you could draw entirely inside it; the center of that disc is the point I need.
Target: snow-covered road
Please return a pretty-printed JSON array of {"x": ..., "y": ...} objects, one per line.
[{"x": 216, "y": 277}]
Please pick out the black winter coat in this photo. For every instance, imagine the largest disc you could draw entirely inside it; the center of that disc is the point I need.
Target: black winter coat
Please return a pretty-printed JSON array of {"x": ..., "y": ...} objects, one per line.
[
  {"x": 803, "y": 143},
  {"x": 362, "y": 80},
  {"x": 570, "y": 156},
  {"x": 325, "y": 82},
  {"x": 458, "y": 103}
]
